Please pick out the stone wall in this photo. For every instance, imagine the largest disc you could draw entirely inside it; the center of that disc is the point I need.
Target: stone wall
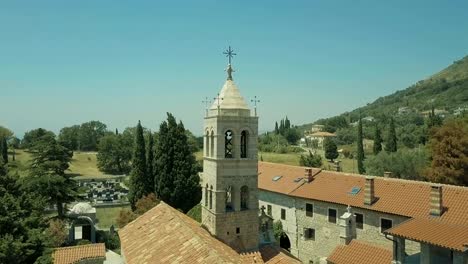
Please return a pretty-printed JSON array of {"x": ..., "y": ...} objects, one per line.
[
  {"x": 280, "y": 201},
  {"x": 327, "y": 235}
]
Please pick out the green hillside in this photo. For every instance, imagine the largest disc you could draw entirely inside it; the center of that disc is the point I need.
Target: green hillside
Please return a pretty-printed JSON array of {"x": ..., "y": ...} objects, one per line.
[{"x": 445, "y": 90}]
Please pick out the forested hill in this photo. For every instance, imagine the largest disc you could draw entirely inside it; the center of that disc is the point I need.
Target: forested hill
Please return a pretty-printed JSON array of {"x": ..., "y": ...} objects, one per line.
[{"x": 445, "y": 90}]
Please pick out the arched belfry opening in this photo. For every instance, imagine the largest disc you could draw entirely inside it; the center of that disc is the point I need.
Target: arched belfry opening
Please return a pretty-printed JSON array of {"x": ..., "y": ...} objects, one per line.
[
  {"x": 212, "y": 144},
  {"x": 228, "y": 144},
  {"x": 207, "y": 144},
  {"x": 229, "y": 204},
  {"x": 244, "y": 144},
  {"x": 244, "y": 196}
]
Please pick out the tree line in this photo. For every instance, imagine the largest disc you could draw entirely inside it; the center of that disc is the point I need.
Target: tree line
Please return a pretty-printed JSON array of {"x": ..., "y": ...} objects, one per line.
[{"x": 165, "y": 167}]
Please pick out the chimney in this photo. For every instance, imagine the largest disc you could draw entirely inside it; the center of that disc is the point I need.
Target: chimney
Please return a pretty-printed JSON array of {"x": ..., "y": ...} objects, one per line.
[
  {"x": 436, "y": 200},
  {"x": 347, "y": 226},
  {"x": 308, "y": 174},
  {"x": 369, "y": 195},
  {"x": 387, "y": 174}
]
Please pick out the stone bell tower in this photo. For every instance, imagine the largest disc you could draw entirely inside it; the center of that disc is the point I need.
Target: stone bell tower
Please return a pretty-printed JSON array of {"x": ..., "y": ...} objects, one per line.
[{"x": 229, "y": 180}]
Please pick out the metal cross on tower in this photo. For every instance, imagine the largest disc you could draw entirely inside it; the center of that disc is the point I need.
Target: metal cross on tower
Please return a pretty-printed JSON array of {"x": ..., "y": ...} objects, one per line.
[
  {"x": 229, "y": 53},
  {"x": 255, "y": 101},
  {"x": 207, "y": 103},
  {"x": 217, "y": 98}
]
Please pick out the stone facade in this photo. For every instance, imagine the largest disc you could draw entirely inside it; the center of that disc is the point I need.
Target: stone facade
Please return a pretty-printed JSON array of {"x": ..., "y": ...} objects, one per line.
[
  {"x": 327, "y": 235},
  {"x": 230, "y": 172},
  {"x": 276, "y": 202}
]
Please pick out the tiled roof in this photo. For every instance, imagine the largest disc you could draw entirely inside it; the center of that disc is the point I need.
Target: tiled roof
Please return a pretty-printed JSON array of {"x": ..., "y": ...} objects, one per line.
[
  {"x": 434, "y": 232},
  {"x": 165, "y": 235},
  {"x": 269, "y": 255},
  {"x": 70, "y": 255},
  {"x": 358, "y": 252},
  {"x": 289, "y": 178},
  {"x": 392, "y": 194},
  {"x": 322, "y": 134}
]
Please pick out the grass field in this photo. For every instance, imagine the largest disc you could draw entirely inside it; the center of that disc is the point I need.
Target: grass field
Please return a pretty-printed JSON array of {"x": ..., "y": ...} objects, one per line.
[
  {"x": 83, "y": 165},
  {"x": 108, "y": 216}
]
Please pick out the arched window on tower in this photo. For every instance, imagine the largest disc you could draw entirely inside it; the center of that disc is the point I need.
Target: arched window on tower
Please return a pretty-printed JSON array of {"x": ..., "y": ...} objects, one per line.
[
  {"x": 211, "y": 197},
  {"x": 244, "y": 143},
  {"x": 244, "y": 196},
  {"x": 228, "y": 144},
  {"x": 212, "y": 144},
  {"x": 207, "y": 144},
  {"x": 206, "y": 195},
  {"x": 229, "y": 206}
]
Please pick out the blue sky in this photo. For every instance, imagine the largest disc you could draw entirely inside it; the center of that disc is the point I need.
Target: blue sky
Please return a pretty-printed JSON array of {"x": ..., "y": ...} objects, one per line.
[{"x": 67, "y": 62}]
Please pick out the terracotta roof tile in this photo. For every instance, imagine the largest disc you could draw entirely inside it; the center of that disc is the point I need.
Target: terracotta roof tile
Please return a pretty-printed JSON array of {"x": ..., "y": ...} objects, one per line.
[
  {"x": 335, "y": 187},
  {"x": 269, "y": 255},
  {"x": 165, "y": 235},
  {"x": 433, "y": 232},
  {"x": 70, "y": 255},
  {"x": 322, "y": 134},
  {"x": 291, "y": 177},
  {"x": 358, "y": 252}
]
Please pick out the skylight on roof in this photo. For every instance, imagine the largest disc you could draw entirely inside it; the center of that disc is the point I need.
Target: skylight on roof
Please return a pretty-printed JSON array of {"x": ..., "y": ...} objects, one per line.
[
  {"x": 276, "y": 178},
  {"x": 298, "y": 179},
  {"x": 355, "y": 190}
]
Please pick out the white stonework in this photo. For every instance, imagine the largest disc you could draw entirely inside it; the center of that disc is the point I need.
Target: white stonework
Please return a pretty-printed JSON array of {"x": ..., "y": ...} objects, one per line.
[{"x": 237, "y": 224}]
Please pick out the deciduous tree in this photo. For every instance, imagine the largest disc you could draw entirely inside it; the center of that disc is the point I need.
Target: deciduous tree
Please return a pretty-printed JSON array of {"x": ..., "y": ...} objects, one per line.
[{"x": 449, "y": 149}]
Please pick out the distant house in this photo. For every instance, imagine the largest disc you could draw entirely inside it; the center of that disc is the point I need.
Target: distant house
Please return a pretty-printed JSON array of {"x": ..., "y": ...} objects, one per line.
[
  {"x": 438, "y": 112},
  {"x": 404, "y": 110},
  {"x": 316, "y": 128},
  {"x": 369, "y": 119},
  {"x": 320, "y": 137},
  {"x": 460, "y": 110}
]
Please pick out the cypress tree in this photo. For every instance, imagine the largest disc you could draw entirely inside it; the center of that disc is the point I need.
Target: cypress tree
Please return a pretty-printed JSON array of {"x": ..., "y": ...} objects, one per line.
[
  {"x": 4, "y": 148},
  {"x": 139, "y": 183},
  {"x": 360, "y": 149},
  {"x": 377, "y": 140},
  {"x": 176, "y": 170},
  {"x": 281, "y": 128},
  {"x": 276, "y": 128},
  {"x": 150, "y": 161},
  {"x": 391, "y": 145},
  {"x": 287, "y": 123}
]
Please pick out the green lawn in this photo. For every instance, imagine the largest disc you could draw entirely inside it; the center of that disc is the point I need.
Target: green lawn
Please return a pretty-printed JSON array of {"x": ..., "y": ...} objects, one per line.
[
  {"x": 83, "y": 165},
  {"x": 108, "y": 216}
]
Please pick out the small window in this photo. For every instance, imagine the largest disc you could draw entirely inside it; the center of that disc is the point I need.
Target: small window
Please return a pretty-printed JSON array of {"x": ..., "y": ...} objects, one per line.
[
  {"x": 237, "y": 230},
  {"x": 385, "y": 224},
  {"x": 359, "y": 221},
  {"x": 332, "y": 215},
  {"x": 309, "y": 210},
  {"x": 309, "y": 234},
  {"x": 283, "y": 214},
  {"x": 269, "y": 209}
]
